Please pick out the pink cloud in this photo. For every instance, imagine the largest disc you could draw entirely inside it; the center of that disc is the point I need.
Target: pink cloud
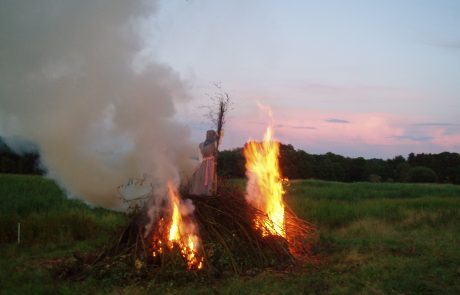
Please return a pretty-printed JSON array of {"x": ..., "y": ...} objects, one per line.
[
  {"x": 374, "y": 134},
  {"x": 447, "y": 141},
  {"x": 368, "y": 128},
  {"x": 314, "y": 125}
]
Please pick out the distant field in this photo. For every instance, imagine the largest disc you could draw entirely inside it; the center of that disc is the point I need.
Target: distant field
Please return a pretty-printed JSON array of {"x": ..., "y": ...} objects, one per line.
[{"x": 384, "y": 238}]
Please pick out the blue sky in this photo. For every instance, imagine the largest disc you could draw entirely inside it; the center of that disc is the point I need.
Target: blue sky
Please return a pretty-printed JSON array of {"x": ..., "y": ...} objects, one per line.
[{"x": 370, "y": 78}]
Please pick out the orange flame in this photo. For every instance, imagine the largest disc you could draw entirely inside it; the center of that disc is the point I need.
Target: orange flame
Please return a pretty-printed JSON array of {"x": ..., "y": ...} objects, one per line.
[
  {"x": 176, "y": 219},
  {"x": 264, "y": 188},
  {"x": 181, "y": 234}
]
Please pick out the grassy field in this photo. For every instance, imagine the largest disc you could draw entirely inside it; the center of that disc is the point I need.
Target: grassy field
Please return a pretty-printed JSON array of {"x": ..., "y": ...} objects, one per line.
[{"x": 374, "y": 239}]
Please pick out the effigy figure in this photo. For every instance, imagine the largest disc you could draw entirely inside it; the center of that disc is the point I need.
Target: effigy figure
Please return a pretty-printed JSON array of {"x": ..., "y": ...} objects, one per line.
[{"x": 204, "y": 179}]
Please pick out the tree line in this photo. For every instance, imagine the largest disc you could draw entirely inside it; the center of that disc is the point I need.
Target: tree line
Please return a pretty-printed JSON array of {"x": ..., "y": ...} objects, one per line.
[
  {"x": 298, "y": 164},
  {"x": 19, "y": 163}
]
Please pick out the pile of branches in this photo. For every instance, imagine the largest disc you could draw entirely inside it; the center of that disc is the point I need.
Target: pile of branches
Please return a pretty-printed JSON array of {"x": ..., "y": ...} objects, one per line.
[{"x": 230, "y": 243}]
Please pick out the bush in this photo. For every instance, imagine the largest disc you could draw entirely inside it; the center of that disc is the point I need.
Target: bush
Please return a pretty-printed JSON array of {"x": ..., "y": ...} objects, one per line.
[
  {"x": 375, "y": 178},
  {"x": 422, "y": 174}
]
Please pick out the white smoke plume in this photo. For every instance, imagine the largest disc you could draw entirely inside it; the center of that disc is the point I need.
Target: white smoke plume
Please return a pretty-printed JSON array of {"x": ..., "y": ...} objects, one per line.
[{"x": 67, "y": 83}]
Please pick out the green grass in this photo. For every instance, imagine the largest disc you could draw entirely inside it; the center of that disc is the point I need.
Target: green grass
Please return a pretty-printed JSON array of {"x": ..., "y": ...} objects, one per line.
[
  {"x": 384, "y": 238},
  {"x": 46, "y": 216},
  {"x": 52, "y": 226}
]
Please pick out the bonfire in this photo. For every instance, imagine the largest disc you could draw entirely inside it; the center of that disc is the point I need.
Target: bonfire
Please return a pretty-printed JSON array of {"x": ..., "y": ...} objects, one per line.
[{"x": 235, "y": 230}]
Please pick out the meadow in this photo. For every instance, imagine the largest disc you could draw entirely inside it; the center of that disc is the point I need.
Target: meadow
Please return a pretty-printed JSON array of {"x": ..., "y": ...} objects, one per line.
[{"x": 374, "y": 238}]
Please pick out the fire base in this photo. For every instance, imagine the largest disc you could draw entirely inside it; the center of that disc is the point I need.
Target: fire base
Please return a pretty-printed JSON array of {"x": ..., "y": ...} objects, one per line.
[{"x": 230, "y": 243}]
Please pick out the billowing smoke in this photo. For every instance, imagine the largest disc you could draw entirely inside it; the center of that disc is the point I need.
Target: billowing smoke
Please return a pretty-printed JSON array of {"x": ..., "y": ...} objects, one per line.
[{"x": 69, "y": 84}]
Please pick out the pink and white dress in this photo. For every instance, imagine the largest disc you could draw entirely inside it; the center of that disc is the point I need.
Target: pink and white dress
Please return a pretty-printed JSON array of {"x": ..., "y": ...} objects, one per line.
[{"x": 204, "y": 180}]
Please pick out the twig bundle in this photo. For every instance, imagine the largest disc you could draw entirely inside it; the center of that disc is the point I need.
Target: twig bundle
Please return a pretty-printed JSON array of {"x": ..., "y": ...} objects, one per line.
[{"x": 217, "y": 111}]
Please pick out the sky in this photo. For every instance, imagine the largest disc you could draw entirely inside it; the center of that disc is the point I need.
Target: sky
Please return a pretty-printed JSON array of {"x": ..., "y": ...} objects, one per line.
[{"x": 357, "y": 78}]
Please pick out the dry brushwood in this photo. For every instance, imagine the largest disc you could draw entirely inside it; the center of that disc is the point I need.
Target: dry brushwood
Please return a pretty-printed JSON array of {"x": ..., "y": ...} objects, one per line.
[
  {"x": 217, "y": 111},
  {"x": 229, "y": 241}
]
